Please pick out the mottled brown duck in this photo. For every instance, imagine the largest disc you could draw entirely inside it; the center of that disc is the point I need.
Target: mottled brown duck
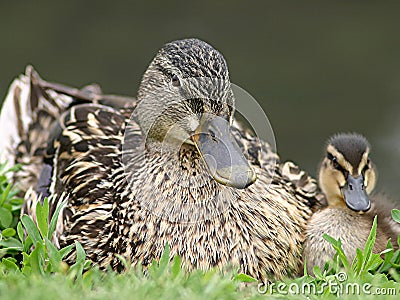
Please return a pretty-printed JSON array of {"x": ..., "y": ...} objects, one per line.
[{"x": 219, "y": 198}]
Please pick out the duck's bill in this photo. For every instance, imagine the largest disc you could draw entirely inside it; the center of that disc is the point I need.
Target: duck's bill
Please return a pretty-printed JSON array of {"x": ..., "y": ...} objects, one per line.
[
  {"x": 355, "y": 195},
  {"x": 222, "y": 155}
]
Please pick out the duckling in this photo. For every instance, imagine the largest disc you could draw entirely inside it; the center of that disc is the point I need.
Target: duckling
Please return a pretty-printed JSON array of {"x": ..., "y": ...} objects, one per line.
[
  {"x": 221, "y": 198},
  {"x": 347, "y": 177}
]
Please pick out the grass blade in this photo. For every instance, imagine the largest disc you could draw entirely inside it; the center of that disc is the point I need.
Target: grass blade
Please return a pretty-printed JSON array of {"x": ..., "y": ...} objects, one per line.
[
  {"x": 42, "y": 217},
  {"x": 64, "y": 251},
  {"x": 5, "y": 217},
  {"x": 32, "y": 229},
  {"x": 337, "y": 245},
  {"x": 20, "y": 232},
  {"x": 396, "y": 215},
  {"x": 54, "y": 255},
  {"x": 36, "y": 259},
  {"x": 369, "y": 245},
  {"x": 244, "y": 278},
  {"x": 54, "y": 219},
  {"x": 5, "y": 194}
]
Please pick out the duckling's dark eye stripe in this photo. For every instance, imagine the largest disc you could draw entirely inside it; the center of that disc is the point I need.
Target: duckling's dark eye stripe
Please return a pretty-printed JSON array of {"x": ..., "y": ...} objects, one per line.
[
  {"x": 341, "y": 169},
  {"x": 336, "y": 164},
  {"x": 330, "y": 156}
]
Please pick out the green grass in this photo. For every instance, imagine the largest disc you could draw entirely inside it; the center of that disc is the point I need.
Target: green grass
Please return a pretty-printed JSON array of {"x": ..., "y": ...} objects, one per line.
[{"x": 31, "y": 267}]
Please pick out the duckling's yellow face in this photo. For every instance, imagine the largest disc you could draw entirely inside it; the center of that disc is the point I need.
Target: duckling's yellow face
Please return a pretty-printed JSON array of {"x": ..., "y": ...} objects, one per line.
[{"x": 347, "y": 175}]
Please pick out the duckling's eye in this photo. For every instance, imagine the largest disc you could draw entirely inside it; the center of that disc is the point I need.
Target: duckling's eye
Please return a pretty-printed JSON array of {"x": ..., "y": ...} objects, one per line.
[
  {"x": 333, "y": 159},
  {"x": 175, "y": 80},
  {"x": 335, "y": 164}
]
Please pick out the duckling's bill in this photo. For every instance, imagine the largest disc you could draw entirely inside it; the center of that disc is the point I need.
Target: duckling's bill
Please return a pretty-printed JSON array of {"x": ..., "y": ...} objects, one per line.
[
  {"x": 221, "y": 153},
  {"x": 355, "y": 195}
]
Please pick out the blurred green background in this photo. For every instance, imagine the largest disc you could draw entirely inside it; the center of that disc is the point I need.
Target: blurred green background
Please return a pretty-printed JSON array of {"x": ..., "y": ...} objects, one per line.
[{"x": 316, "y": 67}]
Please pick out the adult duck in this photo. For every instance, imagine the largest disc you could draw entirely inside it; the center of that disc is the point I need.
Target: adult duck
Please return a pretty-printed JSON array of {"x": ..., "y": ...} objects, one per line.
[{"x": 171, "y": 167}]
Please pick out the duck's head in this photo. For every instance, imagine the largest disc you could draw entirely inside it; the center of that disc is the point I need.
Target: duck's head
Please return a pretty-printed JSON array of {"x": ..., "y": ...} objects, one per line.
[
  {"x": 185, "y": 98},
  {"x": 346, "y": 174}
]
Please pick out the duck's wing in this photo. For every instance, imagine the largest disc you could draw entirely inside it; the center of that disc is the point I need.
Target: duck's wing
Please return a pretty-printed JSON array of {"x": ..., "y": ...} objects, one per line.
[
  {"x": 27, "y": 113},
  {"x": 84, "y": 154},
  {"x": 32, "y": 105},
  {"x": 304, "y": 185},
  {"x": 260, "y": 154},
  {"x": 31, "y": 120}
]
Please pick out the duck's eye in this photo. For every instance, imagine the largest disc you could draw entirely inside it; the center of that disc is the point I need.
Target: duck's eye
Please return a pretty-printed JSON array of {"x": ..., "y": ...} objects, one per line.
[
  {"x": 335, "y": 164},
  {"x": 175, "y": 80},
  {"x": 334, "y": 161}
]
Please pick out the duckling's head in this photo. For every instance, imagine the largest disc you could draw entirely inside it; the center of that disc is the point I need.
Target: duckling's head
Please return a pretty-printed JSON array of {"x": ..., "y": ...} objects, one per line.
[
  {"x": 185, "y": 98},
  {"x": 346, "y": 174}
]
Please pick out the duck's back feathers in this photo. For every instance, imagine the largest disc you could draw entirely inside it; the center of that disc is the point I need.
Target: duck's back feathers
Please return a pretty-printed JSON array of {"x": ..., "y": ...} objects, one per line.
[
  {"x": 304, "y": 185},
  {"x": 33, "y": 117},
  {"x": 28, "y": 115}
]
